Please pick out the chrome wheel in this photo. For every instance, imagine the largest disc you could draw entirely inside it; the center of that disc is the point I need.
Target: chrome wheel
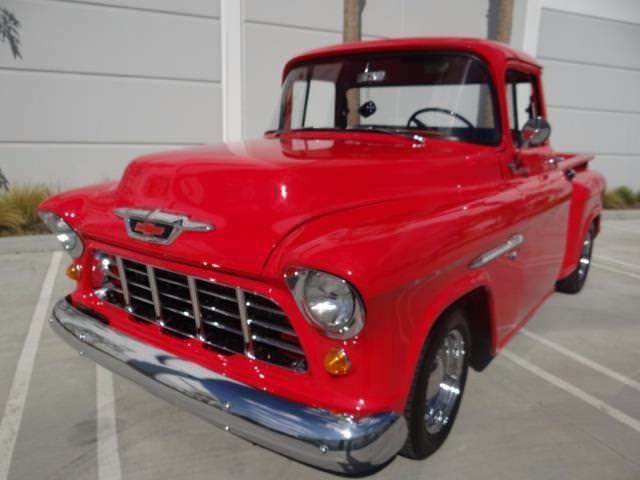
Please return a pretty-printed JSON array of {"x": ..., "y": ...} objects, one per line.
[
  {"x": 585, "y": 256},
  {"x": 444, "y": 385}
]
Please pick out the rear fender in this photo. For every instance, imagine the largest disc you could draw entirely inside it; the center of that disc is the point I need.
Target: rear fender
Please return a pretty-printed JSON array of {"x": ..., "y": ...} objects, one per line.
[{"x": 586, "y": 206}]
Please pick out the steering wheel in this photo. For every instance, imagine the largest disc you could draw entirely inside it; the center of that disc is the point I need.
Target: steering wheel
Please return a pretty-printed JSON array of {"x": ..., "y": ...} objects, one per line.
[{"x": 421, "y": 124}]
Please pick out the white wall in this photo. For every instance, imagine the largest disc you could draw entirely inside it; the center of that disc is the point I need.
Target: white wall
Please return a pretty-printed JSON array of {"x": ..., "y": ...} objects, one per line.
[
  {"x": 101, "y": 82},
  {"x": 590, "y": 50}
]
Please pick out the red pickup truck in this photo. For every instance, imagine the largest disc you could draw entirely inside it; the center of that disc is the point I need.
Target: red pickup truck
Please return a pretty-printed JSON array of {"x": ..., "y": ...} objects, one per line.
[{"x": 322, "y": 291}]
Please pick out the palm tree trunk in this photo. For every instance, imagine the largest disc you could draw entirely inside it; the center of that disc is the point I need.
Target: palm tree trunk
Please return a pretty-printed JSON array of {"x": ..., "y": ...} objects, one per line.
[
  {"x": 352, "y": 32},
  {"x": 500, "y": 19}
]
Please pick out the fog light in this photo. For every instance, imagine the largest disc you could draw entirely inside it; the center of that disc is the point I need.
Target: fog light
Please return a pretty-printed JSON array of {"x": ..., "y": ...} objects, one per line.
[
  {"x": 73, "y": 271},
  {"x": 336, "y": 362}
]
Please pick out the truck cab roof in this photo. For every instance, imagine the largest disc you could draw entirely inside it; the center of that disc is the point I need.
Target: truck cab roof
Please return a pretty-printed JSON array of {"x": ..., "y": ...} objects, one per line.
[{"x": 492, "y": 52}]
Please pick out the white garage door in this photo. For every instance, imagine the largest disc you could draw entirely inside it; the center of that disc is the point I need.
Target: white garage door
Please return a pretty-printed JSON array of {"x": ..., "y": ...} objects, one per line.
[{"x": 592, "y": 79}]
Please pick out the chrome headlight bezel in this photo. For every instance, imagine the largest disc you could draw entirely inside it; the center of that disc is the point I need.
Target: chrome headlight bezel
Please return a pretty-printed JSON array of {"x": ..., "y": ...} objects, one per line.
[
  {"x": 297, "y": 279},
  {"x": 67, "y": 236}
]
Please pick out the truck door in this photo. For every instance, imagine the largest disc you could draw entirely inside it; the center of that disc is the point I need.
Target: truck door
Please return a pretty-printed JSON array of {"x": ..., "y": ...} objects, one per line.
[{"x": 545, "y": 190}]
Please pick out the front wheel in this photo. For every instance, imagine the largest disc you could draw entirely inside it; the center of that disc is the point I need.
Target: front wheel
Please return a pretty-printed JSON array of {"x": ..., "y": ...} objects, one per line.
[
  {"x": 574, "y": 282},
  {"x": 438, "y": 386}
]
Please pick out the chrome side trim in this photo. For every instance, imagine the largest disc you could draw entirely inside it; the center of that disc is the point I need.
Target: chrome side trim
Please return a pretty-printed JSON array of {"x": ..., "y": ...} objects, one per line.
[
  {"x": 491, "y": 255},
  {"x": 331, "y": 441}
]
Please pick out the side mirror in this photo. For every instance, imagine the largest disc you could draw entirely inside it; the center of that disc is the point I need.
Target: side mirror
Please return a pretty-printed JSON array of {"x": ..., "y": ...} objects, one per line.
[{"x": 535, "y": 132}]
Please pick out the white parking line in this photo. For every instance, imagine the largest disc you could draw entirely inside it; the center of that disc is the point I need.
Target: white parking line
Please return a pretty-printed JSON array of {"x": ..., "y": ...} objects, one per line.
[
  {"x": 583, "y": 360},
  {"x": 575, "y": 391},
  {"x": 14, "y": 409},
  {"x": 616, "y": 270},
  {"x": 619, "y": 262},
  {"x": 108, "y": 456}
]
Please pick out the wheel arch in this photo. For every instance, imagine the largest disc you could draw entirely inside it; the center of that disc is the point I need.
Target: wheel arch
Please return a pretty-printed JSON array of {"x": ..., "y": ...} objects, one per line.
[
  {"x": 476, "y": 307},
  {"x": 471, "y": 294}
]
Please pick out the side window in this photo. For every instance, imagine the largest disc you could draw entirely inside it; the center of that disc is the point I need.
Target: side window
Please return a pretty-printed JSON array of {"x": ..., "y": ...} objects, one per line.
[{"x": 522, "y": 102}]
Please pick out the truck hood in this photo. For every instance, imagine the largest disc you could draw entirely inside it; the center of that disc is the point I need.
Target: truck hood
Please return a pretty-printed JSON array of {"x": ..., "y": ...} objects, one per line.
[{"x": 255, "y": 193}]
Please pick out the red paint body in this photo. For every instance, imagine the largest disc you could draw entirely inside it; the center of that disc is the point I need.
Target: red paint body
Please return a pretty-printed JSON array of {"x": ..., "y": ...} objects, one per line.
[{"x": 401, "y": 223}]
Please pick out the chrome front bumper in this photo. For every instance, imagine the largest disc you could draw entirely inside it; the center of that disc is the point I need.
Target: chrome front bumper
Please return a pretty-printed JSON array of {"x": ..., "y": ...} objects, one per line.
[{"x": 310, "y": 435}]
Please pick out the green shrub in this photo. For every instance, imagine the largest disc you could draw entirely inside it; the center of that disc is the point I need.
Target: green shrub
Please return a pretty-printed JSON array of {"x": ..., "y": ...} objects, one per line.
[
  {"x": 627, "y": 196},
  {"x": 19, "y": 209},
  {"x": 612, "y": 200},
  {"x": 10, "y": 220}
]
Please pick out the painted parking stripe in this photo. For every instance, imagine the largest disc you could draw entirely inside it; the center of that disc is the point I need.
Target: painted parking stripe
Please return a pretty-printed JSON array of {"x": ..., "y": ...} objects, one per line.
[
  {"x": 607, "y": 259},
  {"x": 14, "y": 409},
  {"x": 575, "y": 391},
  {"x": 108, "y": 456},
  {"x": 583, "y": 360},
  {"x": 616, "y": 270}
]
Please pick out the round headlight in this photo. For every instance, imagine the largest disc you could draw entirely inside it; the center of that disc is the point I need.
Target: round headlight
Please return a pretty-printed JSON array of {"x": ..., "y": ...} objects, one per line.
[
  {"x": 69, "y": 239},
  {"x": 328, "y": 302}
]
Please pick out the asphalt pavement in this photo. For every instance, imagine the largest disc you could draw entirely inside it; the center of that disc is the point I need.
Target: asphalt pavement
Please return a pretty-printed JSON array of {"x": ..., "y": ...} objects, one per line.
[{"x": 562, "y": 402}]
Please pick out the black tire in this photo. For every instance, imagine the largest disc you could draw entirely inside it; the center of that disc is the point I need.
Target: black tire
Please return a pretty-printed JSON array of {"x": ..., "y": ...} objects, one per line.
[
  {"x": 420, "y": 442},
  {"x": 574, "y": 282}
]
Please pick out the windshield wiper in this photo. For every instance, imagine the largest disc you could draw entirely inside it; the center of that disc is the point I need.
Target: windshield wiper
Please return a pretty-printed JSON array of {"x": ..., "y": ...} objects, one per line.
[
  {"x": 362, "y": 128},
  {"x": 304, "y": 129},
  {"x": 388, "y": 131}
]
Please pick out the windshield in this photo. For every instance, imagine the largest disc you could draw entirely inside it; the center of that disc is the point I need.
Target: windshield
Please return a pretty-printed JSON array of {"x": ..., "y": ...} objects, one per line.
[{"x": 443, "y": 95}]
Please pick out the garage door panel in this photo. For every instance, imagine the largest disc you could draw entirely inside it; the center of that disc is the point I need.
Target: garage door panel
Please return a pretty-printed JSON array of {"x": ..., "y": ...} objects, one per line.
[
  {"x": 326, "y": 15},
  {"x": 591, "y": 87},
  {"x": 63, "y": 108},
  {"x": 70, "y": 165},
  {"x": 61, "y": 36},
  {"x": 618, "y": 170},
  {"x": 579, "y": 38},
  {"x": 603, "y": 132},
  {"x": 209, "y": 8},
  {"x": 466, "y": 18}
]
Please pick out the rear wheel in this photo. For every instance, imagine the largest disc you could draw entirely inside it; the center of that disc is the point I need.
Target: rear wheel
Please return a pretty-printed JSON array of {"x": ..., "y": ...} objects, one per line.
[
  {"x": 574, "y": 282},
  {"x": 438, "y": 386}
]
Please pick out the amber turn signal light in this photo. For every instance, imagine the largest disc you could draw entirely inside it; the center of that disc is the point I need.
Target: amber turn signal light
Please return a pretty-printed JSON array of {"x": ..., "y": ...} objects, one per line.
[
  {"x": 336, "y": 362},
  {"x": 73, "y": 271}
]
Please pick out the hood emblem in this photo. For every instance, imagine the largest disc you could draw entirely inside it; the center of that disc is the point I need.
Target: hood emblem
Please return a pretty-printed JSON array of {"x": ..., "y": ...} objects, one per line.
[{"x": 156, "y": 226}]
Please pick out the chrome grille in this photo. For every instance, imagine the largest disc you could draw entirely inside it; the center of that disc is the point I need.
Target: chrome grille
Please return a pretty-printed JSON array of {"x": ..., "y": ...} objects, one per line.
[{"x": 226, "y": 318}]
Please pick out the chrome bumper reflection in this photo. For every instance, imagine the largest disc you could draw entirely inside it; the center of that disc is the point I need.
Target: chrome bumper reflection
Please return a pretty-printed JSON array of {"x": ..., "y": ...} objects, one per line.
[{"x": 310, "y": 435}]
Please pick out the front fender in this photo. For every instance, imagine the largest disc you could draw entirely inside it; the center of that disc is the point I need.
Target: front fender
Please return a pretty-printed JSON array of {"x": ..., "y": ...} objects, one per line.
[{"x": 408, "y": 268}]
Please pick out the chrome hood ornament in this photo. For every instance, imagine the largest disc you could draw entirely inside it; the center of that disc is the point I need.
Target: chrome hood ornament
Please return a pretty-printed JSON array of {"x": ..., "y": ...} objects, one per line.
[{"x": 156, "y": 226}]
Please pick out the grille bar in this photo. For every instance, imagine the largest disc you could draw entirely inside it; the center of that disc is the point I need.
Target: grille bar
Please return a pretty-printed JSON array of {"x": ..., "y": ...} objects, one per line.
[
  {"x": 226, "y": 318},
  {"x": 123, "y": 282},
  {"x": 195, "y": 302},
  {"x": 154, "y": 291},
  {"x": 244, "y": 322}
]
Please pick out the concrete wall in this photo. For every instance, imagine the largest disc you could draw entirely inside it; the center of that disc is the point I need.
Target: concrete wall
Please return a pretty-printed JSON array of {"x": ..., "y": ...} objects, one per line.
[
  {"x": 592, "y": 79},
  {"x": 101, "y": 82}
]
